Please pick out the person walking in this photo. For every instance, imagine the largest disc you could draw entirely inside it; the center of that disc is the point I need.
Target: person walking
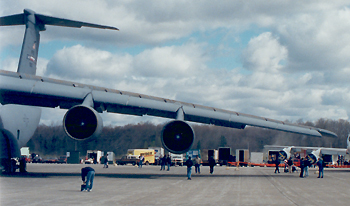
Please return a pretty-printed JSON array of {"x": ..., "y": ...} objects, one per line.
[
  {"x": 290, "y": 164},
  {"x": 277, "y": 163},
  {"x": 105, "y": 161},
  {"x": 306, "y": 167},
  {"x": 320, "y": 168},
  {"x": 141, "y": 161},
  {"x": 302, "y": 166},
  {"x": 211, "y": 164},
  {"x": 168, "y": 161},
  {"x": 89, "y": 174},
  {"x": 162, "y": 163},
  {"x": 22, "y": 164},
  {"x": 189, "y": 165},
  {"x": 197, "y": 164}
]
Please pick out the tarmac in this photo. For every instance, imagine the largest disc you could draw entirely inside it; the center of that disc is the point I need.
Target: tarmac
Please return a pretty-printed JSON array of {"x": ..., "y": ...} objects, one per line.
[{"x": 59, "y": 184}]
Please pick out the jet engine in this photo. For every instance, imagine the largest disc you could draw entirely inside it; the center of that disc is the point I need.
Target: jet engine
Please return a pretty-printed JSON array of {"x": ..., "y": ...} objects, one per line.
[
  {"x": 177, "y": 136},
  {"x": 285, "y": 153},
  {"x": 82, "y": 122},
  {"x": 313, "y": 156}
]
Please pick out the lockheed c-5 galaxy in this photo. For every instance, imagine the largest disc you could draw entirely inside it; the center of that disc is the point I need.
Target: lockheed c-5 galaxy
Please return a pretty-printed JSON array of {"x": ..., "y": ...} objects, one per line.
[{"x": 22, "y": 93}]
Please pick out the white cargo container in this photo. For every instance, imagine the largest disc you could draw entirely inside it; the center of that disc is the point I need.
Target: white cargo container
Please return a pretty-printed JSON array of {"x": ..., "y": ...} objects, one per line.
[
  {"x": 25, "y": 151},
  {"x": 257, "y": 157}
]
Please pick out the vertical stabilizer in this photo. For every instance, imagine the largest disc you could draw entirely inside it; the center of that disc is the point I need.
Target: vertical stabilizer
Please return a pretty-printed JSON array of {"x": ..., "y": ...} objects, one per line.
[
  {"x": 30, "y": 46},
  {"x": 34, "y": 24}
]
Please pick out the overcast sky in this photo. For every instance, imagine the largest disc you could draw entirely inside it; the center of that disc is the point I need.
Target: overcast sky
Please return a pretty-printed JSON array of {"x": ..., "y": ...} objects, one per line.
[{"x": 286, "y": 60}]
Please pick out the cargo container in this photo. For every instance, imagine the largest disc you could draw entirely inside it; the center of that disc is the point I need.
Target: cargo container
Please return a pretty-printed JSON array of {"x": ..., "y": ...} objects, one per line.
[
  {"x": 242, "y": 155},
  {"x": 206, "y": 153},
  {"x": 224, "y": 155},
  {"x": 257, "y": 157}
]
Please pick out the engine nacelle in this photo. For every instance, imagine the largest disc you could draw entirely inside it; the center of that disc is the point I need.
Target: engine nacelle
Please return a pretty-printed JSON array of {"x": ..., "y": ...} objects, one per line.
[
  {"x": 177, "y": 136},
  {"x": 313, "y": 156},
  {"x": 285, "y": 153},
  {"x": 82, "y": 122}
]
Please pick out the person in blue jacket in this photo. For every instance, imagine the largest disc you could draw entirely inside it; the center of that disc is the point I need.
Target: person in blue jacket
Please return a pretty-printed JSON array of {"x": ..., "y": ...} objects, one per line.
[
  {"x": 320, "y": 168},
  {"x": 189, "y": 165}
]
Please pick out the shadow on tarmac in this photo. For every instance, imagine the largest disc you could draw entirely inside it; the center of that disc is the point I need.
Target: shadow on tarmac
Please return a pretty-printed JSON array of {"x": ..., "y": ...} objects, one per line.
[{"x": 136, "y": 176}]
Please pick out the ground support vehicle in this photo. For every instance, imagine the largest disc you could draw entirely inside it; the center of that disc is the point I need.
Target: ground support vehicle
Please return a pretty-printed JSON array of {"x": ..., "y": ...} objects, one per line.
[{"x": 128, "y": 159}]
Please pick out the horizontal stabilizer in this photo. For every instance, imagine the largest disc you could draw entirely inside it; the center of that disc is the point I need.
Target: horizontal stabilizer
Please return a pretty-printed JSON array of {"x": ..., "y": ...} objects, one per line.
[
  {"x": 48, "y": 20},
  {"x": 17, "y": 19},
  {"x": 35, "y": 23}
]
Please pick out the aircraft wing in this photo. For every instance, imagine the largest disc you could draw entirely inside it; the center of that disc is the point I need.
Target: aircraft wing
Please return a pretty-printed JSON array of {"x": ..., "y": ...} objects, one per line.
[
  {"x": 323, "y": 150},
  {"x": 39, "y": 91}
]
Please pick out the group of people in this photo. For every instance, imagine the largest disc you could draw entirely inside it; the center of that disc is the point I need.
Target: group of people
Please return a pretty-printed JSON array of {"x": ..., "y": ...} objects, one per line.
[
  {"x": 304, "y": 166},
  {"x": 165, "y": 160}
]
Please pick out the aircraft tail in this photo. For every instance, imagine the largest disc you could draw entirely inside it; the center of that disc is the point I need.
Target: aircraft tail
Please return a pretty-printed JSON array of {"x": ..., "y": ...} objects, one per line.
[{"x": 34, "y": 24}]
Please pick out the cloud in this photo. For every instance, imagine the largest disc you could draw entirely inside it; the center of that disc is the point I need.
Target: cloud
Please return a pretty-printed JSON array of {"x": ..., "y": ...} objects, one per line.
[
  {"x": 264, "y": 54},
  {"x": 286, "y": 60}
]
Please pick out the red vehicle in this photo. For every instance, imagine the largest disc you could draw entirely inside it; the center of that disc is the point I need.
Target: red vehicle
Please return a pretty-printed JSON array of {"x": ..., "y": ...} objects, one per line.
[
  {"x": 50, "y": 160},
  {"x": 62, "y": 160}
]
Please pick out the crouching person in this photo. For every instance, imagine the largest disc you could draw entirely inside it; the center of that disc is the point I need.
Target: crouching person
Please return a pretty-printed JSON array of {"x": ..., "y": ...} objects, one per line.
[{"x": 89, "y": 173}]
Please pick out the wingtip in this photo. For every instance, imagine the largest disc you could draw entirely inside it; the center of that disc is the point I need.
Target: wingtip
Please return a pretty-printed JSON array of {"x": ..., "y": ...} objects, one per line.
[{"x": 327, "y": 133}]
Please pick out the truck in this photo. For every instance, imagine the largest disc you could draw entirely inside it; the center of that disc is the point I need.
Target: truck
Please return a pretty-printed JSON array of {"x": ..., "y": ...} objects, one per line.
[
  {"x": 110, "y": 157},
  {"x": 148, "y": 154},
  {"x": 176, "y": 159},
  {"x": 128, "y": 159},
  {"x": 93, "y": 156},
  {"x": 224, "y": 155},
  {"x": 206, "y": 154},
  {"x": 158, "y": 153},
  {"x": 193, "y": 153}
]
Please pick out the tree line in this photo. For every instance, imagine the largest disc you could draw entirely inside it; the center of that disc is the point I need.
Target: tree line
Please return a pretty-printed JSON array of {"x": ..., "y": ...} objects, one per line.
[{"x": 52, "y": 140}]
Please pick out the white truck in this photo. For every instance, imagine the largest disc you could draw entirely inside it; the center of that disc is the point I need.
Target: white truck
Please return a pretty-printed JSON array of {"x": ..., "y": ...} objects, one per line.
[
  {"x": 93, "y": 156},
  {"x": 176, "y": 159}
]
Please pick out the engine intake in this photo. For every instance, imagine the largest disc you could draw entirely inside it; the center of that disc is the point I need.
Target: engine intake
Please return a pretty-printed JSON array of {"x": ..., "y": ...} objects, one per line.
[
  {"x": 82, "y": 122},
  {"x": 177, "y": 136},
  {"x": 283, "y": 155}
]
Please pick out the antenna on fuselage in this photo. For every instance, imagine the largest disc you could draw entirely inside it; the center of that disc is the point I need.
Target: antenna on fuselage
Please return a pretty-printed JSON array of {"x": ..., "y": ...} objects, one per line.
[{"x": 34, "y": 24}]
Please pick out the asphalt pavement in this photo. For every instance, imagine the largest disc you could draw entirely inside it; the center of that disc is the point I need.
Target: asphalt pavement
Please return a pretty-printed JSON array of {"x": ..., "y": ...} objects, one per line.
[{"x": 59, "y": 184}]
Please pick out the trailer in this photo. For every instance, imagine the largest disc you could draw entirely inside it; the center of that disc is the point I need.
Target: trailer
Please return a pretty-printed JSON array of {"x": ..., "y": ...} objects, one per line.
[
  {"x": 158, "y": 153},
  {"x": 148, "y": 154}
]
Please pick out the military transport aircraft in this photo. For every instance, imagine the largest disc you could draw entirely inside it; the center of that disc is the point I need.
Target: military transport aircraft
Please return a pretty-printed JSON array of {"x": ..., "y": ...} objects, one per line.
[
  {"x": 85, "y": 102},
  {"x": 313, "y": 153}
]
